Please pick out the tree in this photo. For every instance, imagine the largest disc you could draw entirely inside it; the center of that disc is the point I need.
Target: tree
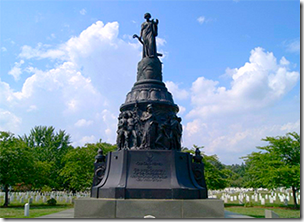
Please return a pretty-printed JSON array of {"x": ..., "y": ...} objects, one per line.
[
  {"x": 16, "y": 163},
  {"x": 278, "y": 165},
  {"x": 216, "y": 174},
  {"x": 237, "y": 174},
  {"x": 49, "y": 147},
  {"x": 78, "y": 171}
]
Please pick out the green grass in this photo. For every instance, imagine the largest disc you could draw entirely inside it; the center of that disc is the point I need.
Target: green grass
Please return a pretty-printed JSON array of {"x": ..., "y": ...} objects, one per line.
[
  {"x": 16, "y": 211},
  {"x": 259, "y": 212}
]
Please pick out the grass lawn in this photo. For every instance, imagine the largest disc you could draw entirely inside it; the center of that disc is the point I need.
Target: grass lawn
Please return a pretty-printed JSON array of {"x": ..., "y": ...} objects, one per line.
[
  {"x": 35, "y": 210},
  {"x": 259, "y": 212}
]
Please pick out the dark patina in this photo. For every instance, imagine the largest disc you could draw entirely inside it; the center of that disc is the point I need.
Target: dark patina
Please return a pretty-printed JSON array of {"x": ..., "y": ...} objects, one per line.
[{"x": 149, "y": 163}]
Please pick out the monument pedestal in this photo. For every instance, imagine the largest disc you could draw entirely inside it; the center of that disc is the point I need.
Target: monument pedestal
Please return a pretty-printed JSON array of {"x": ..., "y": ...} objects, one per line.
[
  {"x": 140, "y": 208},
  {"x": 149, "y": 174}
]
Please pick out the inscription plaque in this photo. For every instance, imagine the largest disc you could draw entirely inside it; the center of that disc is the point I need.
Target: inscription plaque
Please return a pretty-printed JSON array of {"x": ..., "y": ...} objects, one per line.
[{"x": 148, "y": 169}]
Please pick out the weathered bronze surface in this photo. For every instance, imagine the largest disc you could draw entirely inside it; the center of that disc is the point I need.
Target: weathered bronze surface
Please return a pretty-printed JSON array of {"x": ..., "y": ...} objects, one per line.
[{"x": 148, "y": 163}]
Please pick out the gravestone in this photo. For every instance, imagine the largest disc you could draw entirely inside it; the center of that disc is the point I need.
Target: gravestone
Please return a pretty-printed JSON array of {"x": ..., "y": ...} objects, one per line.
[
  {"x": 271, "y": 214},
  {"x": 148, "y": 163}
]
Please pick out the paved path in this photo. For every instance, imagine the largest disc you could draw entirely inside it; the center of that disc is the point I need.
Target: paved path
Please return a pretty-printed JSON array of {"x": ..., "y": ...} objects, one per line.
[
  {"x": 63, "y": 214},
  {"x": 70, "y": 214}
]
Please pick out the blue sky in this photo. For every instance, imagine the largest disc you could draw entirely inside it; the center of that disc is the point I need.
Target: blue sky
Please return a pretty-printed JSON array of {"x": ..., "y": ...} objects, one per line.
[{"x": 233, "y": 67}]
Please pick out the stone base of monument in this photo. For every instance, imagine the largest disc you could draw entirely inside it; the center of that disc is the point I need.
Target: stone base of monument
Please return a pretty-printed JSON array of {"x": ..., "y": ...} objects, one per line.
[
  {"x": 145, "y": 208},
  {"x": 149, "y": 174}
]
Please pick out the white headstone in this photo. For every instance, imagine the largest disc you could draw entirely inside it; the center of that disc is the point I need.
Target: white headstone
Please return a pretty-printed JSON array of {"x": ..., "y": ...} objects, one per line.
[
  {"x": 270, "y": 200},
  {"x": 22, "y": 200},
  {"x": 26, "y": 210},
  {"x": 262, "y": 201},
  {"x": 44, "y": 199},
  {"x": 247, "y": 199},
  {"x": 256, "y": 198}
]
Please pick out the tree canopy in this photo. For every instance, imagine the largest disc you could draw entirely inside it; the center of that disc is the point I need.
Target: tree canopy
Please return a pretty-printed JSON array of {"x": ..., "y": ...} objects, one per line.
[
  {"x": 216, "y": 174},
  {"x": 276, "y": 165},
  {"x": 78, "y": 170},
  {"x": 48, "y": 147},
  {"x": 16, "y": 162}
]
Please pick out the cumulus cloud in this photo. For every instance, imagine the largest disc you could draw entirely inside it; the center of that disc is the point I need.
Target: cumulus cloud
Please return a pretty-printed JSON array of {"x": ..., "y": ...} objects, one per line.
[
  {"x": 259, "y": 83},
  {"x": 88, "y": 139},
  {"x": 75, "y": 91},
  {"x": 230, "y": 121},
  {"x": 16, "y": 70},
  {"x": 41, "y": 51},
  {"x": 9, "y": 121},
  {"x": 176, "y": 91},
  {"x": 83, "y": 122}
]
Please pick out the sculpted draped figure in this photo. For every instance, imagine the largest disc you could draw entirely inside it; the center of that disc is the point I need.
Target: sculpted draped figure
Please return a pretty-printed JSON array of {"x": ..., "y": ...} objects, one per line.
[{"x": 147, "y": 37}]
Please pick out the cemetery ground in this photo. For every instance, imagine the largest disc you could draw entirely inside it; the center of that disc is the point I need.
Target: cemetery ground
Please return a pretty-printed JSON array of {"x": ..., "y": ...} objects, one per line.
[
  {"x": 237, "y": 200},
  {"x": 38, "y": 203}
]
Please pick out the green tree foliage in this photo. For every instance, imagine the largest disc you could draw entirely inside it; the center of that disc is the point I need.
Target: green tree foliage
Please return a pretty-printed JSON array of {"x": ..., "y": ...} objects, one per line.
[
  {"x": 216, "y": 174},
  {"x": 16, "y": 163},
  {"x": 48, "y": 148},
  {"x": 237, "y": 174},
  {"x": 277, "y": 165},
  {"x": 79, "y": 165}
]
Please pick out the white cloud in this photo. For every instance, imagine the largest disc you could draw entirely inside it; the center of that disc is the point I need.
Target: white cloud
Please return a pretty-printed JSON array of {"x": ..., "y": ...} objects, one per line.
[
  {"x": 41, "y": 52},
  {"x": 83, "y": 11},
  {"x": 32, "y": 108},
  {"x": 88, "y": 139},
  {"x": 176, "y": 91},
  {"x": 182, "y": 109},
  {"x": 257, "y": 84},
  {"x": 231, "y": 122},
  {"x": 3, "y": 49},
  {"x": 83, "y": 122},
  {"x": 16, "y": 70},
  {"x": 77, "y": 87},
  {"x": 292, "y": 46},
  {"x": 160, "y": 41},
  {"x": 201, "y": 19},
  {"x": 291, "y": 126},
  {"x": 9, "y": 121}
]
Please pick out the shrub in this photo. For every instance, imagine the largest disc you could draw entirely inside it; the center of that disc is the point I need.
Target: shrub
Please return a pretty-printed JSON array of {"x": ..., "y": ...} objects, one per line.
[
  {"x": 248, "y": 204},
  {"x": 52, "y": 202}
]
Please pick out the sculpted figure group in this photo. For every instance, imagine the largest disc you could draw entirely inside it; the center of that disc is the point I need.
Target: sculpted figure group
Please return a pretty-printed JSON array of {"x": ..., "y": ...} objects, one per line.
[{"x": 143, "y": 130}]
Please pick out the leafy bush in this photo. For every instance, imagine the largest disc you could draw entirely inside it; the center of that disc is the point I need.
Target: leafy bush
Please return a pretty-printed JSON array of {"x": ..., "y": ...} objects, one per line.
[
  {"x": 52, "y": 202},
  {"x": 46, "y": 188},
  {"x": 248, "y": 204}
]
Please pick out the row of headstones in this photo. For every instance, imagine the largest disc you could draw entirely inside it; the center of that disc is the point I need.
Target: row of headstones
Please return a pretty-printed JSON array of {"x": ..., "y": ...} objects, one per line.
[
  {"x": 257, "y": 198},
  {"x": 232, "y": 190},
  {"x": 36, "y": 196}
]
